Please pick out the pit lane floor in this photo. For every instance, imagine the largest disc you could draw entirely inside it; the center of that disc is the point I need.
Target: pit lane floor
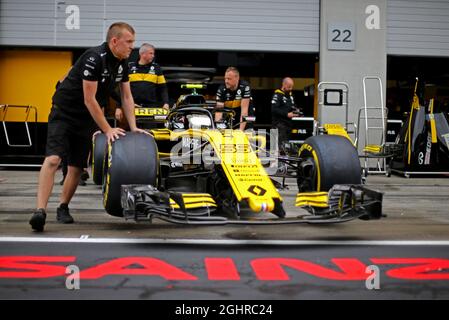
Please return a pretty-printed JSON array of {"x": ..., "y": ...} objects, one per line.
[{"x": 415, "y": 233}]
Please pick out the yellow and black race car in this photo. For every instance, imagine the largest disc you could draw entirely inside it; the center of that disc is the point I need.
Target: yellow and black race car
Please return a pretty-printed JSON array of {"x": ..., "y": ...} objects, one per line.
[{"x": 192, "y": 172}]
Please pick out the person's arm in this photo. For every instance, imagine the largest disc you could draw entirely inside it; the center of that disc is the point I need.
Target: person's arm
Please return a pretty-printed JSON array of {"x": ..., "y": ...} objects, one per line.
[
  {"x": 291, "y": 114},
  {"x": 244, "y": 106},
  {"x": 220, "y": 97},
  {"x": 90, "y": 74},
  {"x": 89, "y": 92},
  {"x": 118, "y": 114},
  {"x": 115, "y": 95},
  {"x": 244, "y": 113},
  {"x": 162, "y": 89}
]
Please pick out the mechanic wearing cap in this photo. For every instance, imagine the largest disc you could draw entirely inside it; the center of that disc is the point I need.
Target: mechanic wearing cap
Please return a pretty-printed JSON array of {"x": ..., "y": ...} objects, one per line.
[
  {"x": 76, "y": 114},
  {"x": 148, "y": 85},
  {"x": 283, "y": 109},
  {"x": 234, "y": 94}
]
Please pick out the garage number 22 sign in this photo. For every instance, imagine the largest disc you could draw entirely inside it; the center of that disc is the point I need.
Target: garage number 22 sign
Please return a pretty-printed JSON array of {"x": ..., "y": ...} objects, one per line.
[{"x": 341, "y": 36}]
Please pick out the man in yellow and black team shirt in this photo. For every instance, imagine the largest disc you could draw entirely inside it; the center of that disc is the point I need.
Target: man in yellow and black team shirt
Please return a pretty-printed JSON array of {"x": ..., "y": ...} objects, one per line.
[
  {"x": 148, "y": 85},
  {"x": 235, "y": 94}
]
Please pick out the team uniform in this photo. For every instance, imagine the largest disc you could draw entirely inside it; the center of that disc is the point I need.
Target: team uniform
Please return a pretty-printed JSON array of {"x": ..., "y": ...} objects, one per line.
[
  {"x": 148, "y": 85},
  {"x": 70, "y": 125},
  {"x": 233, "y": 99},
  {"x": 281, "y": 104}
]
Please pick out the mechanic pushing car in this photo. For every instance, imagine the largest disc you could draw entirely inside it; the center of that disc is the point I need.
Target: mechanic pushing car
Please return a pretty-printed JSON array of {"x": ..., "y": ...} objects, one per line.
[
  {"x": 148, "y": 85},
  {"x": 283, "y": 109},
  {"x": 234, "y": 94},
  {"x": 76, "y": 113}
]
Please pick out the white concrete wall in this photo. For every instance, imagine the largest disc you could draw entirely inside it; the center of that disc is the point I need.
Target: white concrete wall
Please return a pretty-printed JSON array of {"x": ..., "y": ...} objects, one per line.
[{"x": 366, "y": 55}]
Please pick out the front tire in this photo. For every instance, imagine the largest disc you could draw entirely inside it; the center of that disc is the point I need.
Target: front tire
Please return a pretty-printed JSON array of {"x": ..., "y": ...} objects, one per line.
[
  {"x": 133, "y": 159},
  {"x": 99, "y": 145},
  {"x": 328, "y": 160}
]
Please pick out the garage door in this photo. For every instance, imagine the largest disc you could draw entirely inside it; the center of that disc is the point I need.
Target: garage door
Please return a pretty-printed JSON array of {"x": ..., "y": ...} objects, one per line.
[
  {"x": 418, "y": 28},
  {"x": 259, "y": 25}
]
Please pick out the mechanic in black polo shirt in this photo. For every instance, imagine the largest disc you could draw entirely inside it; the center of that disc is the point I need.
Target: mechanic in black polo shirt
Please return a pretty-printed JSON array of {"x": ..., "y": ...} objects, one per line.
[
  {"x": 283, "y": 109},
  {"x": 76, "y": 114},
  {"x": 147, "y": 81},
  {"x": 234, "y": 94}
]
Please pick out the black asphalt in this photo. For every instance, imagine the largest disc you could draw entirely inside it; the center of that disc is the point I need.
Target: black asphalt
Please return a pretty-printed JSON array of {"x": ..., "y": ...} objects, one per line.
[{"x": 223, "y": 272}]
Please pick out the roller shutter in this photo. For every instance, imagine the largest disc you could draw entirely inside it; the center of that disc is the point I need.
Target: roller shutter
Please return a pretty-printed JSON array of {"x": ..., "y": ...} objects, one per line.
[
  {"x": 259, "y": 25},
  {"x": 418, "y": 27}
]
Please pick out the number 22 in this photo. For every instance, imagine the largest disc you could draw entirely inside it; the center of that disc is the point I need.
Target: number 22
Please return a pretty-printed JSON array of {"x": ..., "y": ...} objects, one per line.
[{"x": 338, "y": 34}]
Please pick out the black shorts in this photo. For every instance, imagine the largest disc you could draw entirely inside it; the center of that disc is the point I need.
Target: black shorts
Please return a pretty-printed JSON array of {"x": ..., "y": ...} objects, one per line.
[{"x": 69, "y": 138}]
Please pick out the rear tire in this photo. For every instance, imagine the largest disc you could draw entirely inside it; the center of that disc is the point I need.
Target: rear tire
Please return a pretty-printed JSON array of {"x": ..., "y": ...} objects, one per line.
[
  {"x": 99, "y": 145},
  {"x": 328, "y": 160},
  {"x": 133, "y": 159}
]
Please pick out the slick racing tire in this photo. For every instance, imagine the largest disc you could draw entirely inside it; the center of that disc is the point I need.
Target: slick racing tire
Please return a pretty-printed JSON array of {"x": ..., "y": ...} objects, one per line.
[
  {"x": 99, "y": 145},
  {"x": 133, "y": 159},
  {"x": 327, "y": 160}
]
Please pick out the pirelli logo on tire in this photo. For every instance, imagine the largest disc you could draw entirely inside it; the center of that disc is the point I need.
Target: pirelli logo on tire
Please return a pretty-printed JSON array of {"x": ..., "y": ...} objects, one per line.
[
  {"x": 305, "y": 146},
  {"x": 107, "y": 178}
]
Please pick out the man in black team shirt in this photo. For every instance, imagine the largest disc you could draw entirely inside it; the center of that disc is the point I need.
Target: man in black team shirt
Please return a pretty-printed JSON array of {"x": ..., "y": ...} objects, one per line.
[
  {"x": 283, "y": 109},
  {"x": 234, "y": 94},
  {"x": 147, "y": 81},
  {"x": 76, "y": 114}
]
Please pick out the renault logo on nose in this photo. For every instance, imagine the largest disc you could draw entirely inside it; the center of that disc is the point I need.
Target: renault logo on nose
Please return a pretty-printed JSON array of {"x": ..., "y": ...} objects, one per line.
[{"x": 258, "y": 191}]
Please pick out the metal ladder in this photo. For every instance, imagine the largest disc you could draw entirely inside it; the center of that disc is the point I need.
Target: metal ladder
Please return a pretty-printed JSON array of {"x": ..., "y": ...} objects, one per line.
[
  {"x": 373, "y": 143},
  {"x": 21, "y": 147},
  {"x": 341, "y": 88},
  {"x": 5, "y": 108}
]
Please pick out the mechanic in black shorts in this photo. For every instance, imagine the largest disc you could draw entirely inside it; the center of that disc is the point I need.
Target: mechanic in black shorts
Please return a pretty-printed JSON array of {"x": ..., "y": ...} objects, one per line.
[
  {"x": 147, "y": 82},
  {"x": 64, "y": 165},
  {"x": 283, "y": 109},
  {"x": 234, "y": 94},
  {"x": 77, "y": 113}
]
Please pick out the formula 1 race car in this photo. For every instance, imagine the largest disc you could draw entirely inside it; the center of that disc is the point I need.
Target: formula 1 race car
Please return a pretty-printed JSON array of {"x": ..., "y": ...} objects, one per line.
[{"x": 192, "y": 172}]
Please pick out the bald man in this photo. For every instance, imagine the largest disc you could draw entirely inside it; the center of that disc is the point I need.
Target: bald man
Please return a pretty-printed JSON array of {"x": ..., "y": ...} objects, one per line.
[
  {"x": 283, "y": 110},
  {"x": 234, "y": 94}
]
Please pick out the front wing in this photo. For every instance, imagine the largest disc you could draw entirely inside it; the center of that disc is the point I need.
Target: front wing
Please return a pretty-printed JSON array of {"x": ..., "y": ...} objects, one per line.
[{"x": 342, "y": 203}]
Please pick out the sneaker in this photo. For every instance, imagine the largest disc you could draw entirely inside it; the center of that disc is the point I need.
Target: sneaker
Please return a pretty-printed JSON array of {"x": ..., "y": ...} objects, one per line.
[
  {"x": 37, "y": 221},
  {"x": 84, "y": 175},
  {"x": 82, "y": 182},
  {"x": 63, "y": 214}
]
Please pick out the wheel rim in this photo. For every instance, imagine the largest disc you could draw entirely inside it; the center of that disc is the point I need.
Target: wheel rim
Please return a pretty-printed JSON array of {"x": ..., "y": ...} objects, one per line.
[{"x": 307, "y": 176}]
